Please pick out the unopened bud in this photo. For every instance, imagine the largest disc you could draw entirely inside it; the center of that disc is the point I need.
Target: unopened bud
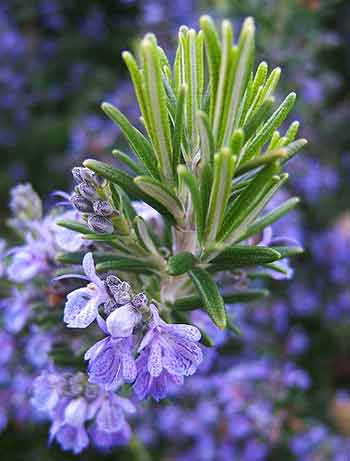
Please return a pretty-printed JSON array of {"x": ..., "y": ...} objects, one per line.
[
  {"x": 139, "y": 300},
  {"x": 99, "y": 224},
  {"x": 87, "y": 190},
  {"x": 109, "y": 306},
  {"x": 98, "y": 180},
  {"x": 81, "y": 174},
  {"x": 122, "y": 293},
  {"x": 81, "y": 204},
  {"x": 103, "y": 208},
  {"x": 112, "y": 280}
]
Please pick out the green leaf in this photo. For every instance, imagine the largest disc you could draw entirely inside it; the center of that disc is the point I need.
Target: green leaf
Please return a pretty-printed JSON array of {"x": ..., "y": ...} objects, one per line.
[
  {"x": 209, "y": 292},
  {"x": 137, "y": 141},
  {"x": 213, "y": 49},
  {"x": 195, "y": 302},
  {"x": 258, "y": 118},
  {"x": 198, "y": 207},
  {"x": 181, "y": 263},
  {"x": 137, "y": 80},
  {"x": 178, "y": 126},
  {"x": 144, "y": 236},
  {"x": 224, "y": 165},
  {"x": 261, "y": 160},
  {"x": 206, "y": 138},
  {"x": 241, "y": 208},
  {"x": 292, "y": 131},
  {"x": 126, "y": 264},
  {"x": 226, "y": 61},
  {"x": 267, "y": 129},
  {"x": 271, "y": 217},
  {"x": 157, "y": 106},
  {"x": 236, "y": 88},
  {"x": 243, "y": 256},
  {"x": 74, "y": 226},
  {"x": 288, "y": 251},
  {"x": 294, "y": 147},
  {"x": 237, "y": 141},
  {"x": 164, "y": 196},
  {"x": 121, "y": 156}
]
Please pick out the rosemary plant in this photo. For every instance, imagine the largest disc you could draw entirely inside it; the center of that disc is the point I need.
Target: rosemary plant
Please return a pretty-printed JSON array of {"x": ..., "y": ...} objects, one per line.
[{"x": 187, "y": 228}]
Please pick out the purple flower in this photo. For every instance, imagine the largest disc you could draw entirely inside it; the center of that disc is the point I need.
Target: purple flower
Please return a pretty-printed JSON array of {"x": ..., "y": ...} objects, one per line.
[
  {"x": 47, "y": 390},
  {"x": 169, "y": 353},
  {"x": 16, "y": 309},
  {"x": 110, "y": 362},
  {"x": 81, "y": 308},
  {"x": 155, "y": 386}
]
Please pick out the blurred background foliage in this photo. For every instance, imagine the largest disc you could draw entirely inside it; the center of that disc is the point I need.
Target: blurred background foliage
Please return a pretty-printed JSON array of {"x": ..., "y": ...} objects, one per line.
[{"x": 59, "y": 59}]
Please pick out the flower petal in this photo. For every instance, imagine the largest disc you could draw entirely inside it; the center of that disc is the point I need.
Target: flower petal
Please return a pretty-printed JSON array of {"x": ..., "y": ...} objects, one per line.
[
  {"x": 187, "y": 331},
  {"x": 76, "y": 412},
  {"x": 154, "y": 364},
  {"x": 122, "y": 321}
]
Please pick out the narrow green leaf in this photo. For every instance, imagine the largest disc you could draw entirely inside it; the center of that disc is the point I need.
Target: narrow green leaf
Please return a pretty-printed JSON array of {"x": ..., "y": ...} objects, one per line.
[
  {"x": 157, "y": 107},
  {"x": 247, "y": 201},
  {"x": 267, "y": 129},
  {"x": 178, "y": 126},
  {"x": 213, "y": 50},
  {"x": 181, "y": 263},
  {"x": 288, "y": 251},
  {"x": 198, "y": 206},
  {"x": 243, "y": 256},
  {"x": 163, "y": 195},
  {"x": 74, "y": 226},
  {"x": 211, "y": 298},
  {"x": 294, "y": 147},
  {"x": 242, "y": 72},
  {"x": 271, "y": 217},
  {"x": 144, "y": 236},
  {"x": 206, "y": 138},
  {"x": 121, "y": 156},
  {"x": 127, "y": 264},
  {"x": 224, "y": 165},
  {"x": 292, "y": 131},
  {"x": 261, "y": 160},
  {"x": 258, "y": 118},
  {"x": 227, "y": 40},
  {"x": 237, "y": 141},
  {"x": 137, "y": 141},
  {"x": 137, "y": 80}
]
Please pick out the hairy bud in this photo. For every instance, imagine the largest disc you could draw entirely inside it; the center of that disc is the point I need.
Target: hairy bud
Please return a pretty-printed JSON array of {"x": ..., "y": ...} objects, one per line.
[
  {"x": 99, "y": 224},
  {"x": 87, "y": 190},
  {"x": 81, "y": 204},
  {"x": 139, "y": 300},
  {"x": 81, "y": 174},
  {"x": 103, "y": 208}
]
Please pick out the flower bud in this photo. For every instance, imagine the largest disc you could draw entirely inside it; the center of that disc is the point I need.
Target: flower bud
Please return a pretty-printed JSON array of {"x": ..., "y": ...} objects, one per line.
[
  {"x": 103, "y": 208},
  {"x": 81, "y": 174},
  {"x": 99, "y": 224},
  {"x": 122, "y": 293},
  {"x": 98, "y": 180},
  {"x": 87, "y": 190},
  {"x": 139, "y": 300},
  {"x": 25, "y": 203},
  {"x": 112, "y": 280},
  {"x": 81, "y": 204}
]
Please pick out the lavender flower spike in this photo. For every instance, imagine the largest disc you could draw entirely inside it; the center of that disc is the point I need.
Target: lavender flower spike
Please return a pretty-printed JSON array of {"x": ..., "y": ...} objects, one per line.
[
  {"x": 169, "y": 353},
  {"x": 81, "y": 308}
]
